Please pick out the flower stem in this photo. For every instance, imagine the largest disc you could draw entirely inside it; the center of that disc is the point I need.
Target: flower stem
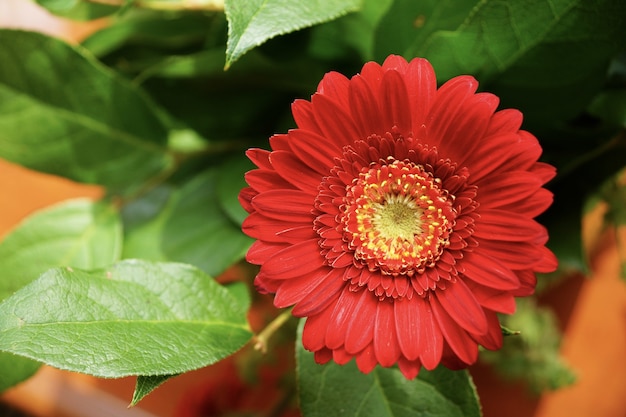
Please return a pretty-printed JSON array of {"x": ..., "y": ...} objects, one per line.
[{"x": 261, "y": 340}]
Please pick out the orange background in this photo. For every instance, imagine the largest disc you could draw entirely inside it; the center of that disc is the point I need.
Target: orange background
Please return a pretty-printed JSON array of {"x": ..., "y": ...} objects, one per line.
[{"x": 592, "y": 312}]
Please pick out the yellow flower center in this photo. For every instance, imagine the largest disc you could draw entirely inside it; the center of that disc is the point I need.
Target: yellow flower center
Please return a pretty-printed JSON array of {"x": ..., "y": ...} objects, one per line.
[{"x": 397, "y": 218}]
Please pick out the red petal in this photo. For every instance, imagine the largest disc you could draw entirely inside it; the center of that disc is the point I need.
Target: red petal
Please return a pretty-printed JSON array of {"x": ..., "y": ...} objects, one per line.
[
  {"x": 515, "y": 255},
  {"x": 545, "y": 171},
  {"x": 259, "y": 227},
  {"x": 395, "y": 62},
  {"x": 364, "y": 108},
  {"x": 323, "y": 356},
  {"x": 488, "y": 271},
  {"x": 491, "y": 340},
  {"x": 263, "y": 180},
  {"x": 430, "y": 338},
  {"x": 315, "y": 330},
  {"x": 335, "y": 86},
  {"x": 366, "y": 360},
  {"x": 341, "y": 356},
  {"x": 496, "y": 300},
  {"x": 316, "y": 151},
  {"x": 495, "y": 224},
  {"x": 528, "y": 282},
  {"x": 334, "y": 121},
  {"x": 458, "y": 339},
  {"x": 409, "y": 368},
  {"x": 548, "y": 263},
  {"x": 385, "y": 337},
  {"x": 396, "y": 109},
  {"x": 260, "y": 251},
  {"x": 302, "y": 111},
  {"x": 447, "y": 103},
  {"x": 360, "y": 329},
  {"x": 461, "y": 305},
  {"x": 289, "y": 205},
  {"x": 408, "y": 322},
  {"x": 245, "y": 198},
  {"x": 505, "y": 121},
  {"x": 294, "y": 171},
  {"x": 260, "y": 157},
  {"x": 507, "y": 188},
  {"x": 326, "y": 293},
  {"x": 467, "y": 128},
  {"x": 295, "y": 261},
  {"x": 421, "y": 85},
  {"x": 292, "y": 291},
  {"x": 341, "y": 318}
]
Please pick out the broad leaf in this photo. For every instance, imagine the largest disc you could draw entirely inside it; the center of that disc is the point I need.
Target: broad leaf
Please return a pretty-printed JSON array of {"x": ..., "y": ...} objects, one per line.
[
  {"x": 527, "y": 52},
  {"x": 78, "y": 9},
  {"x": 186, "y": 225},
  {"x": 251, "y": 23},
  {"x": 330, "y": 389},
  {"x": 75, "y": 118},
  {"x": 134, "y": 318}
]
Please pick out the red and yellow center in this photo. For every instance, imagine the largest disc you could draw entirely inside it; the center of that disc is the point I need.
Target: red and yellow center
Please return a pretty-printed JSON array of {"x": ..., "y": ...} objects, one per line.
[{"x": 397, "y": 218}]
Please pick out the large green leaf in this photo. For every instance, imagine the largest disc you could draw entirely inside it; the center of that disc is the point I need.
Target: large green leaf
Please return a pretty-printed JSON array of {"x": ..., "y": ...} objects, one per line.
[
  {"x": 134, "y": 318},
  {"x": 77, "y": 233},
  {"x": 547, "y": 57},
  {"x": 333, "y": 390},
  {"x": 251, "y": 23},
  {"x": 186, "y": 225},
  {"x": 63, "y": 113}
]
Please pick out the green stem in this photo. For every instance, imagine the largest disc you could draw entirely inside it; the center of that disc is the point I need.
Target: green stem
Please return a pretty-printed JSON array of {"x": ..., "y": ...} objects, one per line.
[{"x": 261, "y": 340}]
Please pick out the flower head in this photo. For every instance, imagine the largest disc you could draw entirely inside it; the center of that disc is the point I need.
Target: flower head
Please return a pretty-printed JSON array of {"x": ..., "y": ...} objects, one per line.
[{"x": 398, "y": 217}]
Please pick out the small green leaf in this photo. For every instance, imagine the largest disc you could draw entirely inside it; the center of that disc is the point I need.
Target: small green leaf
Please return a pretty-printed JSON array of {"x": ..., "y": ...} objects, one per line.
[
  {"x": 78, "y": 9},
  {"x": 145, "y": 385},
  {"x": 190, "y": 227},
  {"x": 134, "y": 318},
  {"x": 333, "y": 390},
  {"x": 75, "y": 119},
  {"x": 251, "y": 23},
  {"x": 78, "y": 233}
]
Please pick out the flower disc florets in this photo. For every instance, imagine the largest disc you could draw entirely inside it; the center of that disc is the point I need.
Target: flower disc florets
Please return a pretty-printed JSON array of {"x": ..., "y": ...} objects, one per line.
[{"x": 398, "y": 217}]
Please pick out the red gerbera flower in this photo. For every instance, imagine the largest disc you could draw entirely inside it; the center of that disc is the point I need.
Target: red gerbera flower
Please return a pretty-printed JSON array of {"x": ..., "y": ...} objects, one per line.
[{"x": 398, "y": 217}]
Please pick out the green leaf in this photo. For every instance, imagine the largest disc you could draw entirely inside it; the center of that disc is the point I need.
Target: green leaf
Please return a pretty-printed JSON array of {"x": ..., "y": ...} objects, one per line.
[
  {"x": 134, "y": 318},
  {"x": 527, "y": 52},
  {"x": 145, "y": 385},
  {"x": 78, "y": 9},
  {"x": 75, "y": 119},
  {"x": 186, "y": 225},
  {"x": 251, "y": 23},
  {"x": 15, "y": 369},
  {"x": 610, "y": 106},
  {"x": 332, "y": 390},
  {"x": 533, "y": 356},
  {"x": 78, "y": 233}
]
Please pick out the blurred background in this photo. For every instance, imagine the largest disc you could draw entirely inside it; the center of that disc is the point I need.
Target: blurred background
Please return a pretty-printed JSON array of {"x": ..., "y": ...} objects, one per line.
[{"x": 590, "y": 310}]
